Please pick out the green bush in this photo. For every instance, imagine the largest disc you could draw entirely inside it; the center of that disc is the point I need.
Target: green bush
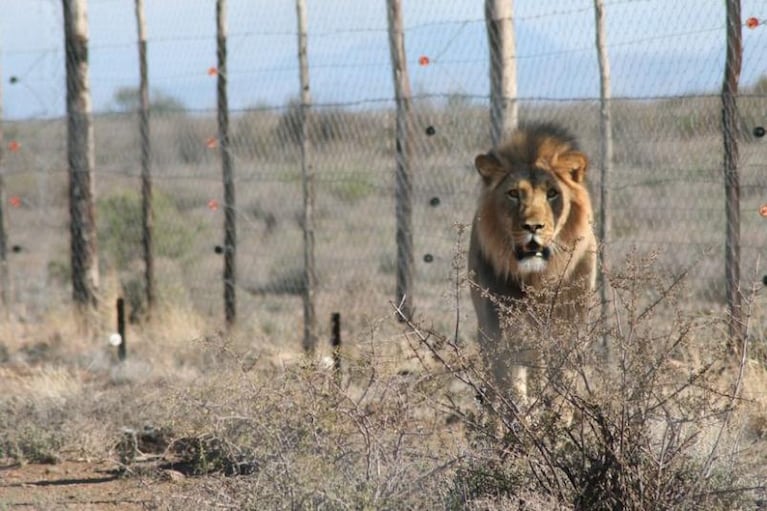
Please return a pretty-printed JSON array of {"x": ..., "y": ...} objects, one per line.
[{"x": 119, "y": 221}]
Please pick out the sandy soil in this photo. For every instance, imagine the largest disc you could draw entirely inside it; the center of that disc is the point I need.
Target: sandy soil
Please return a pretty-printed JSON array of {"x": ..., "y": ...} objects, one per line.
[{"x": 85, "y": 486}]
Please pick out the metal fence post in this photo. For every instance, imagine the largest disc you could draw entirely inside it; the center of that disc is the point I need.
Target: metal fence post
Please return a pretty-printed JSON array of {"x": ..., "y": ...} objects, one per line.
[{"x": 122, "y": 349}]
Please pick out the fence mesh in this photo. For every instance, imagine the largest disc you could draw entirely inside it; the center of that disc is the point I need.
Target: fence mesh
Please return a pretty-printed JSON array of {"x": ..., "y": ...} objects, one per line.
[{"x": 667, "y": 63}]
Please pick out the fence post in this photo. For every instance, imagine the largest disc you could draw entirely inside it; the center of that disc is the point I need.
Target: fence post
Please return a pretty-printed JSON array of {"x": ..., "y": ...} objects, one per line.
[
  {"x": 403, "y": 186},
  {"x": 307, "y": 172},
  {"x": 730, "y": 133},
  {"x": 4, "y": 280},
  {"x": 227, "y": 164},
  {"x": 81, "y": 159},
  {"x": 122, "y": 350},
  {"x": 335, "y": 342},
  {"x": 605, "y": 155},
  {"x": 147, "y": 214},
  {"x": 503, "y": 68}
]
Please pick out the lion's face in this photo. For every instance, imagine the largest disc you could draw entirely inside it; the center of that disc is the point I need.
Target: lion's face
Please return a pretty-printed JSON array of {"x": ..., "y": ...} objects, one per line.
[{"x": 528, "y": 204}]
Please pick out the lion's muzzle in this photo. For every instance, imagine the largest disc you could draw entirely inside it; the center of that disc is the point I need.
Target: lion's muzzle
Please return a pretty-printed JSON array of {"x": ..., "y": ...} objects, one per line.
[{"x": 532, "y": 249}]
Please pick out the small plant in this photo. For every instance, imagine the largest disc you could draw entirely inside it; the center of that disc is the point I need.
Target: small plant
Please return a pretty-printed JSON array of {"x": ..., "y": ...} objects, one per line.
[
  {"x": 26, "y": 440},
  {"x": 352, "y": 189},
  {"x": 120, "y": 228}
]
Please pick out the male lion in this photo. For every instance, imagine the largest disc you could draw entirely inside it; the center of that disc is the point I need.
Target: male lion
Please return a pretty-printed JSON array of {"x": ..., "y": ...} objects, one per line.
[{"x": 532, "y": 233}]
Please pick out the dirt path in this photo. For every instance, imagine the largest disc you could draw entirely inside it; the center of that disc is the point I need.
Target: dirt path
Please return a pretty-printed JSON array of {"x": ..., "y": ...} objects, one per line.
[{"x": 81, "y": 486}]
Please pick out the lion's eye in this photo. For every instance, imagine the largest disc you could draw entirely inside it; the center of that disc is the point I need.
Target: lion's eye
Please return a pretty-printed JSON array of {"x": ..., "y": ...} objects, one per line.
[
  {"x": 552, "y": 193},
  {"x": 513, "y": 193}
]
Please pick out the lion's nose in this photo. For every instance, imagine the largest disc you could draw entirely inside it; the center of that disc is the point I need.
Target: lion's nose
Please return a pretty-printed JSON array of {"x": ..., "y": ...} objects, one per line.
[{"x": 532, "y": 228}]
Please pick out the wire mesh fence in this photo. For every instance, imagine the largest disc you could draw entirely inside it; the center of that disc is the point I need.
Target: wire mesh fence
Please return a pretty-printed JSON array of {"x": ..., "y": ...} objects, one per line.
[{"x": 667, "y": 63}]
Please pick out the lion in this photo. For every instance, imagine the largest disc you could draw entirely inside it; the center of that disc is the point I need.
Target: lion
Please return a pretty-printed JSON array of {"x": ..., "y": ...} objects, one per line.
[{"x": 532, "y": 233}]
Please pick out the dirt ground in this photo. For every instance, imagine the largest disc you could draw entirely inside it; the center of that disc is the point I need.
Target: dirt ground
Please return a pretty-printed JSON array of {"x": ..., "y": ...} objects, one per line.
[{"x": 86, "y": 486}]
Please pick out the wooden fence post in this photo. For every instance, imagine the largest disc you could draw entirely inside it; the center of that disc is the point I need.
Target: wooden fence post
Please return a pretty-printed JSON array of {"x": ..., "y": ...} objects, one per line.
[
  {"x": 730, "y": 131},
  {"x": 147, "y": 213},
  {"x": 403, "y": 187},
  {"x": 4, "y": 278},
  {"x": 307, "y": 172},
  {"x": 81, "y": 159},
  {"x": 503, "y": 68},
  {"x": 605, "y": 156},
  {"x": 227, "y": 165}
]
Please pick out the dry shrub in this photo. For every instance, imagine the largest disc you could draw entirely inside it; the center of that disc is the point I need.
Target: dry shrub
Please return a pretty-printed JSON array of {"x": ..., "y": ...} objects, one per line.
[
  {"x": 50, "y": 413},
  {"x": 642, "y": 428},
  {"x": 64, "y": 395},
  {"x": 298, "y": 438}
]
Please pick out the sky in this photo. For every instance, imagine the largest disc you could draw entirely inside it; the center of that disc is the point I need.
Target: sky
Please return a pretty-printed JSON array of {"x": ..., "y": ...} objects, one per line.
[{"x": 657, "y": 48}]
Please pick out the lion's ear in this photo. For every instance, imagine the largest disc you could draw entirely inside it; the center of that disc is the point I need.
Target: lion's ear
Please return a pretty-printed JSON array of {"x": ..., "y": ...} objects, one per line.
[
  {"x": 488, "y": 167},
  {"x": 574, "y": 164}
]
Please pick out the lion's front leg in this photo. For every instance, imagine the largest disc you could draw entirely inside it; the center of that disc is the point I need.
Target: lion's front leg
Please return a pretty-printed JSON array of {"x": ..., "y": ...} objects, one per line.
[
  {"x": 519, "y": 375},
  {"x": 514, "y": 365},
  {"x": 508, "y": 365}
]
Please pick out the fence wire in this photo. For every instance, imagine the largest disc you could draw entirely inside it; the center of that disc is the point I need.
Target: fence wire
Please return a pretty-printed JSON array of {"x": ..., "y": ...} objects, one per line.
[{"x": 667, "y": 193}]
